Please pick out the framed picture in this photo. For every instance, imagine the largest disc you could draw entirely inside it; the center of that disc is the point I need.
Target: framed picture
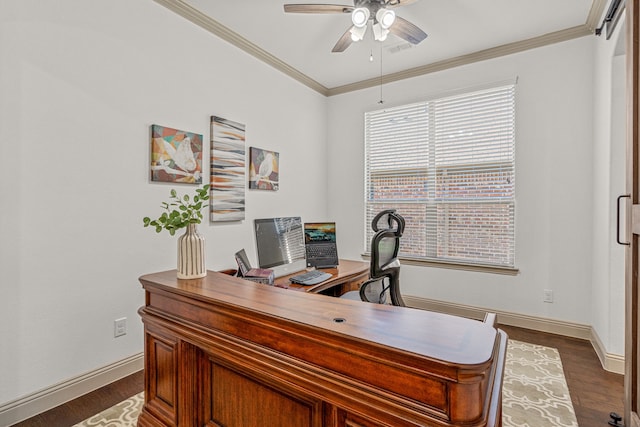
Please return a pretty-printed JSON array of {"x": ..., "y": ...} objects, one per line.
[
  {"x": 176, "y": 155},
  {"x": 264, "y": 169},
  {"x": 227, "y": 170}
]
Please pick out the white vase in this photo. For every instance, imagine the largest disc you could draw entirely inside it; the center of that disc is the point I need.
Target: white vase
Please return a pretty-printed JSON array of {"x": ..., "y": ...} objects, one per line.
[{"x": 191, "y": 254}]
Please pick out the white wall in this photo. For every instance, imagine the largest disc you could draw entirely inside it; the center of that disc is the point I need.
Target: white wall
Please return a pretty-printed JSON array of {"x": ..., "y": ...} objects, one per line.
[
  {"x": 554, "y": 180},
  {"x": 80, "y": 83},
  {"x": 608, "y": 183}
]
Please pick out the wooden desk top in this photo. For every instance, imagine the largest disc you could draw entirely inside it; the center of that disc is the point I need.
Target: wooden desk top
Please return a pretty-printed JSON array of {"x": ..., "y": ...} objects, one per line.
[
  {"x": 347, "y": 270},
  {"x": 427, "y": 336}
]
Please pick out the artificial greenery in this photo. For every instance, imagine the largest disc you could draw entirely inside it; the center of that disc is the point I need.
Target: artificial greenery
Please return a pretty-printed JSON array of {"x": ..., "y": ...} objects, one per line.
[{"x": 180, "y": 211}]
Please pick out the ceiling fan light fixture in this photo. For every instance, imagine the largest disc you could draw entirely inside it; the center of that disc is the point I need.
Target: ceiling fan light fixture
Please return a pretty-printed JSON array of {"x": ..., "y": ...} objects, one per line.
[
  {"x": 381, "y": 13},
  {"x": 385, "y": 18},
  {"x": 380, "y": 33},
  {"x": 357, "y": 33},
  {"x": 360, "y": 16}
]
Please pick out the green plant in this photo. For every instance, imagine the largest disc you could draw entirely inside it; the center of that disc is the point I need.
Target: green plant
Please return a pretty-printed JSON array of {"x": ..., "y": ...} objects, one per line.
[{"x": 180, "y": 211}]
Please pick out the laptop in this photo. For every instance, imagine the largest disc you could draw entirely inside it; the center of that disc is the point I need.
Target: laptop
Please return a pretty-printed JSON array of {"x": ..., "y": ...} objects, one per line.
[{"x": 320, "y": 244}]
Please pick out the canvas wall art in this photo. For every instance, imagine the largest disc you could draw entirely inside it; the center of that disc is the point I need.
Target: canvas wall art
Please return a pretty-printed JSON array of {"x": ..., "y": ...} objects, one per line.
[
  {"x": 227, "y": 170},
  {"x": 264, "y": 169},
  {"x": 176, "y": 155}
]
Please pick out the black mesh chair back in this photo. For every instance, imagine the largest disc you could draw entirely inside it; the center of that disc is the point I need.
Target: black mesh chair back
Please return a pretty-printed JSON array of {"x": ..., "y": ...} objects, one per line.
[
  {"x": 385, "y": 243},
  {"x": 387, "y": 219},
  {"x": 384, "y": 271}
]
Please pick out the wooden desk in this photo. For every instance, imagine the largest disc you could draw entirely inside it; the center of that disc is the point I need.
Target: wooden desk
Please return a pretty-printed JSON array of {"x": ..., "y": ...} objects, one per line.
[
  {"x": 221, "y": 351},
  {"x": 348, "y": 276}
]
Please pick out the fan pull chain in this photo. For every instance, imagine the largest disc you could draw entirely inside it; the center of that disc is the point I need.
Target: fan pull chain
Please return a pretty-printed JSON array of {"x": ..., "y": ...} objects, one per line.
[{"x": 381, "y": 100}]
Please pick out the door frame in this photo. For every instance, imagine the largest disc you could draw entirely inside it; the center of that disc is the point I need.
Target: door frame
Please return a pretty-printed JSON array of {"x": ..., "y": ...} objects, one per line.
[{"x": 631, "y": 379}]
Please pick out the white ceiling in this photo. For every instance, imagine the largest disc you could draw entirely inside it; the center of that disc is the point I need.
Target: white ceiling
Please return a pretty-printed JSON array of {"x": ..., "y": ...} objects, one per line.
[{"x": 458, "y": 30}]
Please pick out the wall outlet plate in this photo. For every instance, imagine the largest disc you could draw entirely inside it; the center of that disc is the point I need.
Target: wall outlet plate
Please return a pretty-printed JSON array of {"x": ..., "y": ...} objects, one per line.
[{"x": 119, "y": 327}]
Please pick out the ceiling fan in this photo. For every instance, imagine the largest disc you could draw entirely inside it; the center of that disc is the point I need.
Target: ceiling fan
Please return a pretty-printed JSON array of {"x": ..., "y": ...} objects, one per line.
[{"x": 379, "y": 12}]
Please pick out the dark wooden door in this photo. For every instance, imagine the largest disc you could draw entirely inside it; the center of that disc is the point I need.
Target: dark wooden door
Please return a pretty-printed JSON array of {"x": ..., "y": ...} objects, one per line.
[{"x": 632, "y": 329}]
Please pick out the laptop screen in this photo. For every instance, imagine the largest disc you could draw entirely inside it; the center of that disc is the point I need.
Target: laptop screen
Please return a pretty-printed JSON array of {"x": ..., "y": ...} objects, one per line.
[{"x": 319, "y": 232}]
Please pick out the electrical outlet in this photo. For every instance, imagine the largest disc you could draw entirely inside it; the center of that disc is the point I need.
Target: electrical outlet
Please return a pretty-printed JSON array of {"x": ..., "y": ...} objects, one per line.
[
  {"x": 548, "y": 295},
  {"x": 120, "y": 327}
]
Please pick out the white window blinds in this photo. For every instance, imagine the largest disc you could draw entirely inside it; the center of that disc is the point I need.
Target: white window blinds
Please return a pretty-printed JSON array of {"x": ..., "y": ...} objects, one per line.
[{"x": 448, "y": 167}]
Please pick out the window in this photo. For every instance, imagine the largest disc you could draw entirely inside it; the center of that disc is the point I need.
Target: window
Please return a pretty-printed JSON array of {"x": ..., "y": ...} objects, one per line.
[{"x": 448, "y": 166}]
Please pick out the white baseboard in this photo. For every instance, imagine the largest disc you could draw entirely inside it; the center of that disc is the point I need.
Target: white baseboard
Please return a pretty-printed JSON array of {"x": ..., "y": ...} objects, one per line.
[
  {"x": 610, "y": 362},
  {"x": 28, "y": 406}
]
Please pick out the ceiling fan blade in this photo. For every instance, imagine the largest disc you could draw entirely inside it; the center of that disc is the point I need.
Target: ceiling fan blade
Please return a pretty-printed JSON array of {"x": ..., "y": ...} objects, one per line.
[
  {"x": 317, "y": 8},
  {"x": 396, "y": 3},
  {"x": 344, "y": 42},
  {"x": 407, "y": 31}
]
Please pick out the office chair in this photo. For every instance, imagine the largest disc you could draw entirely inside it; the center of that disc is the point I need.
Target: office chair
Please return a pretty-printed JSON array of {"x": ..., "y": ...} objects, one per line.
[{"x": 384, "y": 271}]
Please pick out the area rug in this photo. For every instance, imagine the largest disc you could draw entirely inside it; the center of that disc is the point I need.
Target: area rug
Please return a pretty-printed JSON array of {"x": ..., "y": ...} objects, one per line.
[
  {"x": 534, "y": 390},
  {"x": 124, "y": 414},
  {"x": 534, "y": 393}
]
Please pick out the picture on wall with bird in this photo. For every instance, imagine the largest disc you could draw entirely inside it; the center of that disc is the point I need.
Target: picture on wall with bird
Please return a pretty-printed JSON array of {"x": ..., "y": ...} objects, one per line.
[
  {"x": 176, "y": 155},
  {"x": 264, "y": 169}
]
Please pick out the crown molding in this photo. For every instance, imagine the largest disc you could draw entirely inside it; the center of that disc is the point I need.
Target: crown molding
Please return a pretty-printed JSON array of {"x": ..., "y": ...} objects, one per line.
[
  {"x": 482, "y": 55},
  {"x": 206, "y": 22},
  {"x": 595, "y": 14},
  {"x": 216, "y": 28}
]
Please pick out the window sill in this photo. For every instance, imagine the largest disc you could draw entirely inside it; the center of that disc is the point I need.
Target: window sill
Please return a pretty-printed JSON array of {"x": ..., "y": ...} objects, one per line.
[{"x": 509, "y": 271}]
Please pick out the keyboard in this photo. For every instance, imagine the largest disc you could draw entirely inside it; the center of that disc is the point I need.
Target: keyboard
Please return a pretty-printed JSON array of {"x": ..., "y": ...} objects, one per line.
[
  {"x": 310, "y": 277},
  {"x": 322, "y": 251}
]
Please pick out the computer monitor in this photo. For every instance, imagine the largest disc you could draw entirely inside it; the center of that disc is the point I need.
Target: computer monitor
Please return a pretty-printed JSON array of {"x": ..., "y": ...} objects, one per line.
[{"x": 280, "y": 244}]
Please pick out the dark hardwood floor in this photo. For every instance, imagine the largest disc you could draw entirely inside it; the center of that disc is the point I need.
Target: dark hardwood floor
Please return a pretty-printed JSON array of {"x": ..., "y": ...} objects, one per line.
[
  {"x": 594, "y": 392},
  {"x": 90, "y": 404}
]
